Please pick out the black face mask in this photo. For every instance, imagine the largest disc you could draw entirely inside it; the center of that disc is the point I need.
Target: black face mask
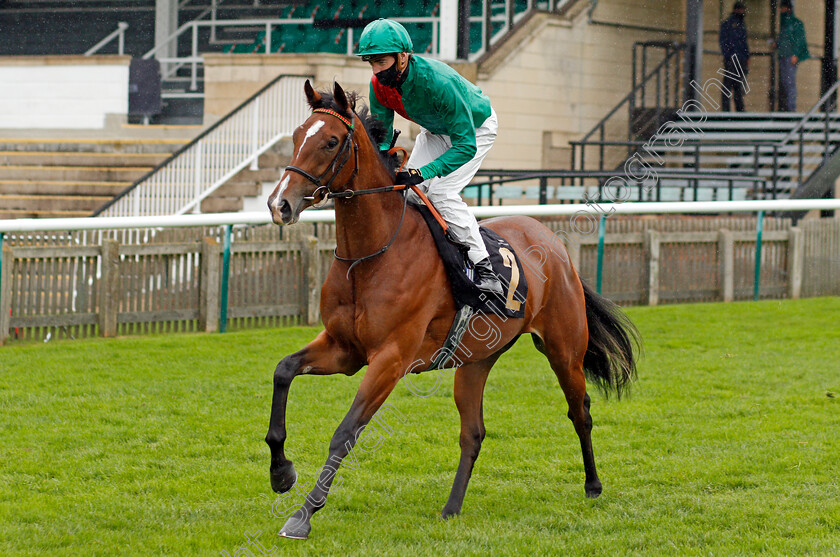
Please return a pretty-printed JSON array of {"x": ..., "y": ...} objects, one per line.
[{"x": 391, "y": 77}]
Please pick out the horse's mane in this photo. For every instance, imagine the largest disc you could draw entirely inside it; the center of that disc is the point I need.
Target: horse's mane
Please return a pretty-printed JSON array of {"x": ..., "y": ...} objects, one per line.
[{"x": 374, "y": 127}]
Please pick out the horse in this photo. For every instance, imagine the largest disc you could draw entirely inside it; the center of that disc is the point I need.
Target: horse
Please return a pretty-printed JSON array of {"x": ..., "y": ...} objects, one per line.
[{"x": 387, "y": 303}]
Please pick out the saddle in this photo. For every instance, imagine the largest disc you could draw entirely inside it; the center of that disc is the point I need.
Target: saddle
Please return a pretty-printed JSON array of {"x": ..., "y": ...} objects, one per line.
[{"x": 461, "y": 273}]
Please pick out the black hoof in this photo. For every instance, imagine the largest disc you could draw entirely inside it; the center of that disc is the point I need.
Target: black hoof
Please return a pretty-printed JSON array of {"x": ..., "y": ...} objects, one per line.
[
  {"x": 449, "y": 513},
  {"x": 283, "y": 477},
  {"x": 593, "y": 490},
  {"x": 296, "y": 528}
]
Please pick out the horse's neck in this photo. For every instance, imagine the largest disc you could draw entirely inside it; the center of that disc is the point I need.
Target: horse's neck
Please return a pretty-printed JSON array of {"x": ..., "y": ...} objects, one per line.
[{"x": 366, "y": 223}]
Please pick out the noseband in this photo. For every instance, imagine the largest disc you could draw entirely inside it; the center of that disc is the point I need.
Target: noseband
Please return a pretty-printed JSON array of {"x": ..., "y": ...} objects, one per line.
[{"x": 336, "y": 166}]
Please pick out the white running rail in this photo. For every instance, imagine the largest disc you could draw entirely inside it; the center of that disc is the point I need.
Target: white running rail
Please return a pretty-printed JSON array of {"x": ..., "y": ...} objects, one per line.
[
  {"x": 181, "y": 182},
  {"x": 328, "y": 215}
]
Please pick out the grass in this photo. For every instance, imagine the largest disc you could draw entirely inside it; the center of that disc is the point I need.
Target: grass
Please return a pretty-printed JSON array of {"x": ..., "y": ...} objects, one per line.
[{"x": 153, "y": 446}]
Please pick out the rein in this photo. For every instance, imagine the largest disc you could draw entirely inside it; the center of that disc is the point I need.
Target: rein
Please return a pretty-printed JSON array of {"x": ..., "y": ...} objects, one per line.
[{"x": 346, "y": 147}]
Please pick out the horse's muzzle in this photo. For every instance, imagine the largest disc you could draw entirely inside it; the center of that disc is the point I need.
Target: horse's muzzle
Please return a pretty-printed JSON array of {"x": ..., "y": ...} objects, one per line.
[{"x": 281, "y": 212}]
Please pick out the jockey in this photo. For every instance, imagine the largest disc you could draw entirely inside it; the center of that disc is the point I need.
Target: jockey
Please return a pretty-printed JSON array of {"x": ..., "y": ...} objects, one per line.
[{"x": 458, "y": 127}]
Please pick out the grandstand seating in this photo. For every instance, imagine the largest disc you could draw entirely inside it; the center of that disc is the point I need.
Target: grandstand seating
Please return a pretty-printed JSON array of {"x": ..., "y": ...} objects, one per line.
[
  {"x": 40, "y": 27},
  {"x": 71, "y": 178},
  {"x": 755, "y": 133}
]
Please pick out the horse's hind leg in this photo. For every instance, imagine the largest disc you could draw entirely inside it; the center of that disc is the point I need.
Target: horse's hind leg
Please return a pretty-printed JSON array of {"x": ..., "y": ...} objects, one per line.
[
  {"x": 322, "y": 356},
  {"x": 469, "y": 393},
  {"x": 569, "y": 372}
]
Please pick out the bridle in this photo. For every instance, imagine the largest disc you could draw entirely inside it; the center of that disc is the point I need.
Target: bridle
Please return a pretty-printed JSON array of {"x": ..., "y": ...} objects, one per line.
[{"x": 336, "y": 167}]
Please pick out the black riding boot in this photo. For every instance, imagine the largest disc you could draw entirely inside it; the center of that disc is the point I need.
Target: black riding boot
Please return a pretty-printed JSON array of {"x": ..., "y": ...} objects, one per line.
[{"x": 486, "y": 279}]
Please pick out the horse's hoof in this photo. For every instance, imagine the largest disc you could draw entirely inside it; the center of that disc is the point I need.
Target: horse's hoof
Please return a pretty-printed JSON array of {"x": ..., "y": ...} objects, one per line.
[
  {"x": 295, "y": 528},
  {"x": 283, "y": 477},
  {"x": 449, "y": 513},
  {"x": 593, "y": 490}
]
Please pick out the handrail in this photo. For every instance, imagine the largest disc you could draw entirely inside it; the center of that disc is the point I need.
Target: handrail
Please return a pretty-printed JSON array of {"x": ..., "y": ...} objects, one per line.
[
  {"x": 631, "y": 95},
  {"x": 810, "y": 113},
  {"x": 192, "y": 173},
  {"x": 118, "y": 32}
]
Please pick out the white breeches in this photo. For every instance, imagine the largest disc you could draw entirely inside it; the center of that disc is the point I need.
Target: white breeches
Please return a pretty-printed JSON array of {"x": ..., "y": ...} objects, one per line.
[{"x": 444, "y": 191}]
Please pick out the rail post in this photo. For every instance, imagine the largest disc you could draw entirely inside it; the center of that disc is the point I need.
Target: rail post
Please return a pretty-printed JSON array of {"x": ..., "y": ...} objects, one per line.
[
  {"x": 726, "y": 256},
  {"x": 208, "y": 311},
  {"x": 6, "y": 263},
  {"x": 223, "y": 309},
  {"x": 602, "y": 226},
  {"x": 759, "y": 230},
  {"x": 109, "y": 288},
  {"x": 652, "y": 244},
  {"x": 312, "y": 280},
  {"x": 796, "y": 262}
]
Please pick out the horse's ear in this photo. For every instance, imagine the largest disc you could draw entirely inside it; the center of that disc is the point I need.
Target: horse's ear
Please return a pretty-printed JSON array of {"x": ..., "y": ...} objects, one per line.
[
  {"x": 312, "y": 96},
  {"x": 341, "y": 98}
]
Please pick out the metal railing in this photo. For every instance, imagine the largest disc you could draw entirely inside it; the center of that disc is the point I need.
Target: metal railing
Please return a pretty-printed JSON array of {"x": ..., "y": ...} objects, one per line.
[
  {"x": 786, "y": 163},
  {"x": 118, "y": 33},
  {"x": 491, "y": 16},
  {"x": 181, "y": 182},
  {"x": 171, "y": 65},
  {"x": 581, "y": 187},
  {"x": 655, "y": 84},
  {"x": 821, "y": 114}
]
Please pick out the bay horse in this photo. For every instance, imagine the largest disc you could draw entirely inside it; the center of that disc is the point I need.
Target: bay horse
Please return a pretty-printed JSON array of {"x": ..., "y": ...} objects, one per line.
[{"x": 387, "y": 303}]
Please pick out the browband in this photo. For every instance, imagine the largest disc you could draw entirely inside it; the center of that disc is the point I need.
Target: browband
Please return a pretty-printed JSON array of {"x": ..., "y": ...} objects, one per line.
[{"x": 331, "y": 112}]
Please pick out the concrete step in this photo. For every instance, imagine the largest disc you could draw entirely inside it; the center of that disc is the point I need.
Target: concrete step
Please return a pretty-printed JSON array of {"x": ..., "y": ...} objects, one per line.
[
  {"x": 789, "y": 148},
  {"x": 723, "y": 161},
  {"x": 221, "y": 204},
  {"x": 71, "y": 158},
  {"x": 41, "y": 214},
  {"x": 162, "y": 146},
  {"x": 74, "y": 173},
  {"x": 25, "y": 187},
  {"x": 11, "y": 202},
  {"x": 271, "y": 159},
  {"x": 751, "y": 137},
  {"x": 257, "y": 176},
  {"x": 232, "y": 189}
]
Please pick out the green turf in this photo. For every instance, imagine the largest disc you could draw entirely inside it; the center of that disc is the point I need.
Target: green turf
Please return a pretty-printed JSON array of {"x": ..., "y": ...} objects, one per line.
[{"x": 153, "y": 446}]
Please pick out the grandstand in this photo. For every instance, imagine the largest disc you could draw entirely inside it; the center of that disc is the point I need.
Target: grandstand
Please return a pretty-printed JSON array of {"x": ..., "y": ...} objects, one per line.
[{"x": 578, "y": 86}]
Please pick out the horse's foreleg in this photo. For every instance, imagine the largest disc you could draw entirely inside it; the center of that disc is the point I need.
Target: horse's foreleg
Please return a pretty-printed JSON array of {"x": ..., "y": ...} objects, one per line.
[
  {"x": 382, "y": 375},
  {"x": 322, "y": 356},
  {"x": 469, "y": 392}
]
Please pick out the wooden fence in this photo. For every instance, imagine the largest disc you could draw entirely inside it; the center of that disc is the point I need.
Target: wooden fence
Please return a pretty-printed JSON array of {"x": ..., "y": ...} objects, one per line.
[{"x": 69, "y": 285}]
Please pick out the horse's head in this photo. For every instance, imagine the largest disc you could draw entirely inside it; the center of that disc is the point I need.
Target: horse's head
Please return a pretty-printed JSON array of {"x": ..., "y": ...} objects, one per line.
[{"x": 325, "y": 156}]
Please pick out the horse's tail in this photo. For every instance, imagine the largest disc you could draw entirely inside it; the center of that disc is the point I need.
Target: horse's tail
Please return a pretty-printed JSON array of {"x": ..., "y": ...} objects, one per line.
[{"x": 610, "y": 360}]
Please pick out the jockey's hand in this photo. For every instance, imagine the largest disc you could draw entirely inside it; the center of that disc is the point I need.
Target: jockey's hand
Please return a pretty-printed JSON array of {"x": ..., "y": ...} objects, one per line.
[{"x": 410, "y": 177}]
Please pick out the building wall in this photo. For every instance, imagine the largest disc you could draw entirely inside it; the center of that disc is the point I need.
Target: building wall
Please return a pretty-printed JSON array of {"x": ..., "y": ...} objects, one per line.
[{"x": 62, "y": 92}]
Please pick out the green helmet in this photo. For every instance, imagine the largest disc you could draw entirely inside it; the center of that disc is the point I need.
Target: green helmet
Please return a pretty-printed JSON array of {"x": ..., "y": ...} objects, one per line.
[{"x": 384, "y": 36}]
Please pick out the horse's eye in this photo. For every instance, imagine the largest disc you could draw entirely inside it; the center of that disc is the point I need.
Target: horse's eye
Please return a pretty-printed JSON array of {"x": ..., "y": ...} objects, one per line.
[{"x": 332, "y": 143}]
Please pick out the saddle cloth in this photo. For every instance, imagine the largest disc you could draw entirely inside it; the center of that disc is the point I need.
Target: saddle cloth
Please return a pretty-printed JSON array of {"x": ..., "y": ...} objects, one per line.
[{"x": 503, "y": 260}]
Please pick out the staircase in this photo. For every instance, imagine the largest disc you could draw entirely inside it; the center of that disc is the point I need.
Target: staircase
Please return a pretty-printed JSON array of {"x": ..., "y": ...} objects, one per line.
[
  {"x": 783, "y": 148},
  {"x": 778, "y": 155}
]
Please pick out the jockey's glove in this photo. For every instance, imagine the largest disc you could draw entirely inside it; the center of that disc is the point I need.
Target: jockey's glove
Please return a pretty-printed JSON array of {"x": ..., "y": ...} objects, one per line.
[{"x": 410, "y": 177}]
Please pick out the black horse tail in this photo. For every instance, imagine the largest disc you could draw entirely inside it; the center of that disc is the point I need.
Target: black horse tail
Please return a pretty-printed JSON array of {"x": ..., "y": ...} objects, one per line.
[{"x": 610, "y": 359}]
